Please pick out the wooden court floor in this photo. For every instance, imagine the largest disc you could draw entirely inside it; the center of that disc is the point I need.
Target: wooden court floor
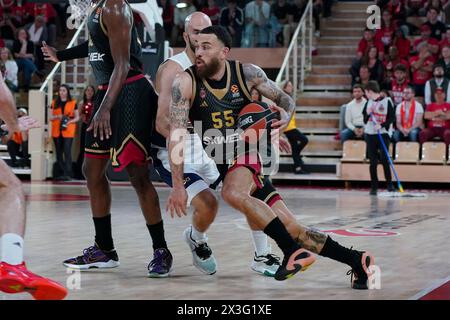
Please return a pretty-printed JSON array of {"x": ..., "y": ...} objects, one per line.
[{"x": 409, "y": 238}]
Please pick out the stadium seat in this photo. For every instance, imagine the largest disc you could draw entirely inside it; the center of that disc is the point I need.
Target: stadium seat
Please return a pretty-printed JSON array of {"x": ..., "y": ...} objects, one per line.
[
  {"x": 354, "y": 151},
  {"x": 433, "y": 152},
  {"x": 448, "y": 161},
  {"x": 407, "y": 152}
]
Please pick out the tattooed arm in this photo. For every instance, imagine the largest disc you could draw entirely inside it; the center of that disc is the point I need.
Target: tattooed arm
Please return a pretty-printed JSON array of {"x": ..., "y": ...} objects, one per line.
[
  {"x": 179, "y": 118},
  {"x": 256, "y": 78}
]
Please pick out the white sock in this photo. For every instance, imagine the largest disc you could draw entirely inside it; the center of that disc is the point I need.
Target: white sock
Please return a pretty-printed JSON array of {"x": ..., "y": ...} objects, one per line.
[
  {"x": 197, "y": 235},
  {"x": 260, "y": 243},
  {"x": 12, "y": 249}
]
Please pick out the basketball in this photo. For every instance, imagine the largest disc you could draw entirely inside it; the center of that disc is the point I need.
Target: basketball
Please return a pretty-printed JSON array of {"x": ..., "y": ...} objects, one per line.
[{"x": 254, "y": 118}]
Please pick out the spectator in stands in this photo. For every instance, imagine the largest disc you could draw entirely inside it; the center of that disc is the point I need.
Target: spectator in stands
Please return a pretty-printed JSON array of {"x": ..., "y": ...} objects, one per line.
[
  {"x": 11, "y": 69},
  {"x": 297, "y": 139},
  {"x": 38, "y": 32},
  {"x": 386, "y": 34},
  {"x": 397, "y": 86},
  {"x": 257, "y": 22},
  {"x": 61, "y": 12},
  {"x": 232, "y": 18},
  {"x": 402, "y": 44},
  {"x": 433, "y": 44},
  {"x": 354, "y": 120},
  {"x": 445, "y": 40},
  {"x": 397, "y": 9},
  {"x": 378, "y": 116},
  {"x": 317, "y": 10},
  {"x": 213, "y": 11},
  {"x": 182, "y": 10},
  {"x": 445, "y": 61},
  {"x": 282, "y": 11},
  {"x": 49, "y": 13},
  {"x": 86, "y": 108},
  {"x": 446, "y": 9},
  {"x": 438, "y": 116},
  {"x": 409, "y": 117},
  {"x": 298, "y": 8},
  {"x": 368, "y": 41},
  {"x": 8, "y": 25},
  {"x": 363, "y": 77},
  {"x": 372, "y": 61},
  {"x": 23, "y": 50},
  {"x": 18, "y": 146},
  {"x": 327, "y": 4},
  {"x": 391, "y": 61},
  {"x": 167, "y": 16},
  {"x": 438, "y": 5},
  {"x": 437, "y": 27},
  {"x": 64, "y": 118},
  {"x": 438, "y": 81},
  {"x": 421, "y": 68},
  {"x": 413, "y": 7}
]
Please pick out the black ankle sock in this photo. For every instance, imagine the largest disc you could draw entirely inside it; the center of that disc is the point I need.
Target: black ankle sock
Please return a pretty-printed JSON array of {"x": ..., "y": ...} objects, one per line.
[
  {"x": 157, "y": 234},
  {"x": 333, "y": 250},
  {"x": 103, "y": 237},
  {"x": 277, "y": 231}
]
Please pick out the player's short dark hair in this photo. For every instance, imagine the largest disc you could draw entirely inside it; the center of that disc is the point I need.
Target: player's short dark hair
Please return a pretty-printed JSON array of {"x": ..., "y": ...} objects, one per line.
[
  {"x": 358, "y": 86},
  {"x": 221, "y": 34},
  {"x": 400, "y": 67},
  {"x": 373, "y": 86}
]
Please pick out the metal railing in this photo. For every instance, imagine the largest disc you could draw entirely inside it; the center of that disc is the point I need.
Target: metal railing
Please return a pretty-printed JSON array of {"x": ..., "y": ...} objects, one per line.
[
  {"x": 39, "y": 140},
  {"x": 297, "y": 64}
]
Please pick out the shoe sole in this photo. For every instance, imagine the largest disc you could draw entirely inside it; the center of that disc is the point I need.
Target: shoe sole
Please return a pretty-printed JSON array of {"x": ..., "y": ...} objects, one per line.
[
  {"x": 97, "y": 265},
  {"x": 263, "y": 271},
  {"x": 367, "y": 260},
  {"x": 40, "y": 289},
  {"x": 159, "y": 275},
  {"x": 192, "y": 248},
  {"x": 300, "y": 260}
]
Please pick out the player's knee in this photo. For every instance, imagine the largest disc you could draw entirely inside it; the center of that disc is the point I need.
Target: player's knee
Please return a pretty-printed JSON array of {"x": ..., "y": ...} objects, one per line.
[
  {"x": 207, "y": 203},
  {"x": 11, "y": 183},
  {"x": 234, "y": 198},
  {"x": 140, "y": 181}
]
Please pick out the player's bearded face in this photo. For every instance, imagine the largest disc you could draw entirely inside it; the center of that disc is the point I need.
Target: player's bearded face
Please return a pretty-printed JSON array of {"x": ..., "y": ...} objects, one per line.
[{"x": 207, "y": 69}]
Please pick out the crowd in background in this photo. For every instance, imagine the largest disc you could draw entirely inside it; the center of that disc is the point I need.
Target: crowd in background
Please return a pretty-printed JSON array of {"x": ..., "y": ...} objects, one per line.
[
  {"x": 411, "y": 64},
  {"x": 257, "y": 23},
  {"x": 23, "y": 27}
]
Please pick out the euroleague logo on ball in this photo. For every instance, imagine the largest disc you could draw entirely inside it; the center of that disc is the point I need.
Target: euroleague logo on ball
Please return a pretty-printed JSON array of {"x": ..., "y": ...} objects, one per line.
[{"x": 245, "y": 121}]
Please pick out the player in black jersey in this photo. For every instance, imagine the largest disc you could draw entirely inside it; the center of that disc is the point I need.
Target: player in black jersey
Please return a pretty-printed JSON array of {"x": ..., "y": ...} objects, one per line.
[
  {"x": 202, "y": 94},
  {"x": 123, "y": 121}
]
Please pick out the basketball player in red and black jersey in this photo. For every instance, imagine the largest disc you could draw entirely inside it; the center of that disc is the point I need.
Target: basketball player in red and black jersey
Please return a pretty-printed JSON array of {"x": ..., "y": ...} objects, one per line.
[
  {"x": 205, "y": 93},
  {"x": 120, "y": 130},
  {"x": 14, "y": 275}
]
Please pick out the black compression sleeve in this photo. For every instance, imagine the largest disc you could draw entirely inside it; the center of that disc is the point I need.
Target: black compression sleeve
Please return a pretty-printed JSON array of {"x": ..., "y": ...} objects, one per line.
[{"x": 78, "y": 52}]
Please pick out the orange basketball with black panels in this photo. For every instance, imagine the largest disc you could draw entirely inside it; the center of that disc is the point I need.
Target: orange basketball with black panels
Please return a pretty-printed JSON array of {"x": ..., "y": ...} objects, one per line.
[{"x": 254, "y": 119}]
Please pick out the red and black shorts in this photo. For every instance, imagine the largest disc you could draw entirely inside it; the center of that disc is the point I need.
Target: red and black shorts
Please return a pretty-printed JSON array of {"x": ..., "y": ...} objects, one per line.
[
  {"x": 132, "y": 122},
  {"x": 265, "y": 191}
]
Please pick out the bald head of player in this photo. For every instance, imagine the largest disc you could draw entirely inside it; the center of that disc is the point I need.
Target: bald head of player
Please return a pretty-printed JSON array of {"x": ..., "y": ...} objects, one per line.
[{"x": 193, "y": 24}]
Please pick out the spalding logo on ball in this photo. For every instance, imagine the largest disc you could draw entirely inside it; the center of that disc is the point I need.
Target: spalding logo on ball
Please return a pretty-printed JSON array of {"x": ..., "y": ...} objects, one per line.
[{"x": 254, "y": 118}]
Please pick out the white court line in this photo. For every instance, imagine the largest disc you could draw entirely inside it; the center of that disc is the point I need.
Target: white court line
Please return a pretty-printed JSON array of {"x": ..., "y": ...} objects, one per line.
[{"x": 426, "y": 291}]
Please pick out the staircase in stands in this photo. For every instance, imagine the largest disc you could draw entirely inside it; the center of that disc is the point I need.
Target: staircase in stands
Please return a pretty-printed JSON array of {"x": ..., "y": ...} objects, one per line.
[{"x": 328, "y": 86}]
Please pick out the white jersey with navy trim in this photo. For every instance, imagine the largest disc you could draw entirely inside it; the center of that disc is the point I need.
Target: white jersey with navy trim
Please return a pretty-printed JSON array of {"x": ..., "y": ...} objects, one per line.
[{"x": 182, "y": 59}]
